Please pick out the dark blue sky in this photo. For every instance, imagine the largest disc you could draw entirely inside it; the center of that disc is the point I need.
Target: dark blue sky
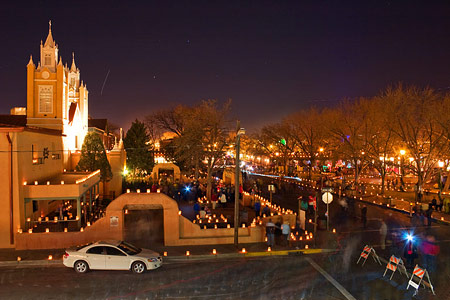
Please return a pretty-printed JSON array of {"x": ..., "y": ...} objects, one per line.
[{"x": 270, "y": 57}]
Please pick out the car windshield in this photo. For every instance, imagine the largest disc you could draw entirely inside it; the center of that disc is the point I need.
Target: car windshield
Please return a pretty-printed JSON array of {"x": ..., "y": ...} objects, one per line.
[{"x": 129, "y": 249}]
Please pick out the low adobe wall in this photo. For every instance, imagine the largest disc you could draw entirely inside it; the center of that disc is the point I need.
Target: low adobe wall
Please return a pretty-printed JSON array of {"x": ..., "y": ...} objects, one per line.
[{"x": 178, "y": 230}]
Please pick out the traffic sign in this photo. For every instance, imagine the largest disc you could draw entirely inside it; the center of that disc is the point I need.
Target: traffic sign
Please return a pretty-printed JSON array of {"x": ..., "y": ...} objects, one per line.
[
  {"x": 327, "y": 189},
  {"x": 327, "y": 197}
]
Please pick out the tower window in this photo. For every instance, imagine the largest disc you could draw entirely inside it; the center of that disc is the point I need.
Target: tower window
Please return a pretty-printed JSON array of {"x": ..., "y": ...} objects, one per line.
[{"x": 47, "y": 59}]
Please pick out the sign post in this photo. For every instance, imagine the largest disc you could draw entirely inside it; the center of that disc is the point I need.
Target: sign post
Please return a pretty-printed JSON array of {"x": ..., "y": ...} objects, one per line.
[
  {"x": 327, "y": 198},
  {"x": 271, "y": 189}
]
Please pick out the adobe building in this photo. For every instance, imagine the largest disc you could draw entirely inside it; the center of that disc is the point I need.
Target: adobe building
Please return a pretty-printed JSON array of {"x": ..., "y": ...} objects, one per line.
[{"x": 39, "y": 143}]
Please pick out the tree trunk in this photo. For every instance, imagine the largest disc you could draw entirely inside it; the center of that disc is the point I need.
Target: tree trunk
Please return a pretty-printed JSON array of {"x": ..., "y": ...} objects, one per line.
[
  {"x": 209, "y": 180},
  {"x": 383, "y": 179},
  {"x": 196, "y": 171},
  {"x": 356, "y": 172}
]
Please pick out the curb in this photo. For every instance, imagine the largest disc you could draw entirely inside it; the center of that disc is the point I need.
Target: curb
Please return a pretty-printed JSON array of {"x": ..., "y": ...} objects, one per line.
[
  {"x": 180, "y": 258},
  {"x": 439, "y": 221}
]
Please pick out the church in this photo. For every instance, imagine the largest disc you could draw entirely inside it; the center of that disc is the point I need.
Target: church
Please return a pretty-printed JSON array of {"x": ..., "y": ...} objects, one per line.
[
  {"x": 40, "y": 148},
  {"x": 56, "y": 97}
]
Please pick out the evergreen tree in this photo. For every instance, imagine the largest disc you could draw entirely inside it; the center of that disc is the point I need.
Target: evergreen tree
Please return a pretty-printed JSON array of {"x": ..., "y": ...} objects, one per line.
[
  {"x": 136, "y": 143},
  {"x": 93, "y": 157}
]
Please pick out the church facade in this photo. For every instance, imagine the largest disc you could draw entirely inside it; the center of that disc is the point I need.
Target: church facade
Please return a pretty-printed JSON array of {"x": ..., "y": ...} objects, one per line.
[
  {"x": 39, "y": 149},
  {"x": 56, "y": 97}
]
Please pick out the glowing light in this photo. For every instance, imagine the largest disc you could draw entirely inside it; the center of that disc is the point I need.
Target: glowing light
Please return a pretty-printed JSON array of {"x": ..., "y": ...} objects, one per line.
[
  {"x": 269, "y": 249},
  {"x": 243, "y": 250},
  {"x": 214, "y": 252},
  {"x": 30, "y": 230},
  {"x": 24, "y": 183},
  {"x": 165, "y": 253},
  {"x": 19, "y": 258},
  {"x": 306, "y": 247},
  {"x": 35, "y": 183},
  {"x": 50, "y": 257},
  {"x": 47, "y": 230},
  {"x": 188, "y": 253},
  {"x": 179, "y": 212},
  {"x": 65, "y": 229},
  {"x": 81, "y": 229},
  {"x": 138, "y": 191}
]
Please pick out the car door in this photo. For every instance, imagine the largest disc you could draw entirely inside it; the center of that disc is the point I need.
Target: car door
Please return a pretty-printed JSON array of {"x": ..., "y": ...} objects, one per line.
[
  {"x": 116, "y": 259},
  {"x": 96, "y": 257}
]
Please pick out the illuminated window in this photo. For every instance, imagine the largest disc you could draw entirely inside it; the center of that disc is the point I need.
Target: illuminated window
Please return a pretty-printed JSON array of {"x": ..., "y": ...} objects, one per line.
[{"x": 45, "y": 98}]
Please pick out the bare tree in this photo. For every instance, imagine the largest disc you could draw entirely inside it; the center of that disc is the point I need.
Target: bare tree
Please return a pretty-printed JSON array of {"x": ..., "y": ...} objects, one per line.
[
  {"x": 415, "y": 120},
  {"x": 308, "y": 132}
]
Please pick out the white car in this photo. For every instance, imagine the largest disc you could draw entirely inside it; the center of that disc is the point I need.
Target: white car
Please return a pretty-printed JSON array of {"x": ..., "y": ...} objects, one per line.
[{"x": 111, "y": 255}]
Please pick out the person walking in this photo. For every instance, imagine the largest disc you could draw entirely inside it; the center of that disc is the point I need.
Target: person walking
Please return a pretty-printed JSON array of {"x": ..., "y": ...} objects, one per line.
[
  {"x": 410, "y": 252},
  {"x": 223, "y": 200},
  {"x": 270, "y": 233},
  {"x": 257, "y": 208},
  {"x": 430, "y": 250},
  {"x": 383, "y": 233},
  {"x": 214, "y": 200},
  {"x": 428, "y": 214},
  {"x": 286, "y": 232}
]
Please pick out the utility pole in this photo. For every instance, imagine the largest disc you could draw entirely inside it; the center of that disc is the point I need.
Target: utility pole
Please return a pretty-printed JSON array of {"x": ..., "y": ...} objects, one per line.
[{"x": 239, "y": 131}]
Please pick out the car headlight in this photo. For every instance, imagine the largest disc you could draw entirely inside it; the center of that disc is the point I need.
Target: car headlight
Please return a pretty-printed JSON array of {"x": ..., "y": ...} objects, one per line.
[{"x": 152, "y": 259}]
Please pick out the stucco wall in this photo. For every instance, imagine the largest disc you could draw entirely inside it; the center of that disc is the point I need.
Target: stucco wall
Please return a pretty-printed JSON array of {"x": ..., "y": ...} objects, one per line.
[
  {"x": 24, "y": 170},
  {"x": 177, "y": 229}
]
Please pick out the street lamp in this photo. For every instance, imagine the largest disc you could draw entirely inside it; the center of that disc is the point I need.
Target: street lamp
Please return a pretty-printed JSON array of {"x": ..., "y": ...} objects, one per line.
[
  {"x": 441, "y": 165},
  {"x": 402, "y": 171},
  {"x": 240, "y": 131}
]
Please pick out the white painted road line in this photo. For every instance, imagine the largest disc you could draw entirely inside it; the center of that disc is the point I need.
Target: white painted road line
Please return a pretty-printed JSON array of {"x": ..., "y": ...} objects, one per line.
[{"x": 336, "y": 284}]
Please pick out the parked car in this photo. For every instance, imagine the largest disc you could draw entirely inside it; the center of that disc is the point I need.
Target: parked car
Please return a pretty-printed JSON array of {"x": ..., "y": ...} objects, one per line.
[{"x": 111, "y": 255}]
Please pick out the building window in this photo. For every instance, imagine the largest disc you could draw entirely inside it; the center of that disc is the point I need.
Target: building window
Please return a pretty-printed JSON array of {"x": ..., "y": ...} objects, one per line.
[
  {"x": 46, "y": 99},
  {"x": 47, "y": 60}
]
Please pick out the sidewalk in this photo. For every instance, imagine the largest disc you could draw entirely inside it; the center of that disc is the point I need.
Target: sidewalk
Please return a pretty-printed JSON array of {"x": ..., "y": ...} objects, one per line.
[{"x": 9, "y": 257}]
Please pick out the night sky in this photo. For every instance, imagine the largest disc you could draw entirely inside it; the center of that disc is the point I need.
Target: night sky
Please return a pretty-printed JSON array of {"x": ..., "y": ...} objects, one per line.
[{"x": 270, "y": 57}]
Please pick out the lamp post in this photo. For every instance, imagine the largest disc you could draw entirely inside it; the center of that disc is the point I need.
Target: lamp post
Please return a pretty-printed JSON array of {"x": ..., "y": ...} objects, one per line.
[
  {"x": 441, "y": 165},
  {"x": 402, "y": 171},
  {"x": 240, "y": 131}
]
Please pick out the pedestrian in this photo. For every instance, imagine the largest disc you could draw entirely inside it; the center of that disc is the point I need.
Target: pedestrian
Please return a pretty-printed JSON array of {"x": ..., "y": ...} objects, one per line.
[
  {"x": 286, "y": 232},
  {"x": 270, "y": 233},
  {"x": 433, "y": 203},
  {"x": 257, "y": 208},
  {"x": 202, "y": 213},
  {"x": 364, "y": 215},
  {"x": 428, "y": 214},
  {"x": 223, "y": 200},
  {"x": 430, "y": 250},
  {"x": 214, "y": 200},
  {"x": 410, "y": 252},
  {"x": 196, "y": 208},
  {"x": 383, "y": 233},
  {"x": 266, "y": 211}
]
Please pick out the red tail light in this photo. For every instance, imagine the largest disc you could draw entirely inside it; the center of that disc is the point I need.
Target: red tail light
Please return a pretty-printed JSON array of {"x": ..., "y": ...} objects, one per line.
[{"x": 66, "y": 255}]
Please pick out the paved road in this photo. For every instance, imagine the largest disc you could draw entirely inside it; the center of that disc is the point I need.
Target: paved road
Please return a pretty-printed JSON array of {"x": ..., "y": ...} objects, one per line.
[
  {"x": 299, "y": 277},
  {"x": 258, "y": 278},
  {"x": 353, "y": 236}
]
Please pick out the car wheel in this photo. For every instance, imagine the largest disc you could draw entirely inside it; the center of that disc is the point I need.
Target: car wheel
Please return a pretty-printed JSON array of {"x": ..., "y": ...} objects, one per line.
[
  {"x": 138, "y": 267},
  {"x": 81, "y": 266}
]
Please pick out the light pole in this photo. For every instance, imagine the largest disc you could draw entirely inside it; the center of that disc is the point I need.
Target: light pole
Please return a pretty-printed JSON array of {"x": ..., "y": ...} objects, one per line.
[
  {"x": 441, "y": 165},
  {"x": 240, "y": 131},
  {"x": 402, "y": 171}
]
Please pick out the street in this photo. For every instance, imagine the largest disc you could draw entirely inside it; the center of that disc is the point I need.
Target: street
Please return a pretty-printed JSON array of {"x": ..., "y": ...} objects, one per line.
[
  {"x": 261, "y": 278},
  {"x": 297, "y": 277}
]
